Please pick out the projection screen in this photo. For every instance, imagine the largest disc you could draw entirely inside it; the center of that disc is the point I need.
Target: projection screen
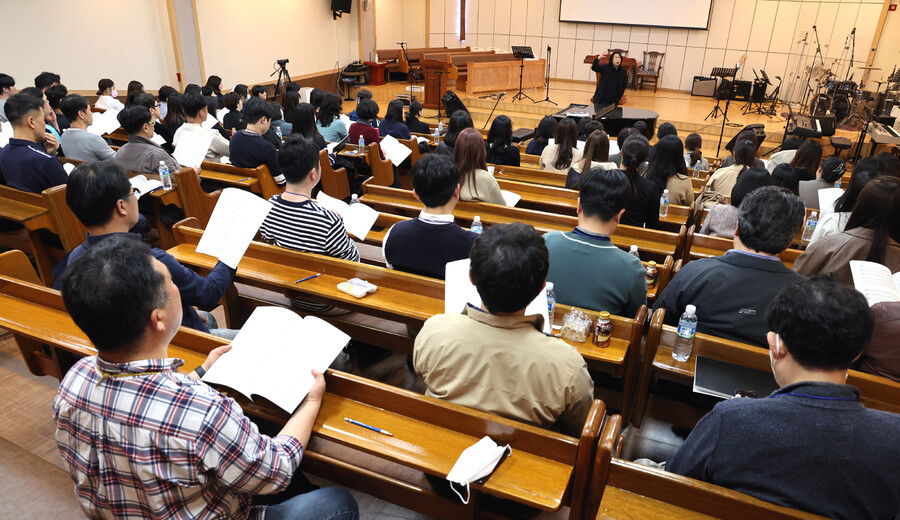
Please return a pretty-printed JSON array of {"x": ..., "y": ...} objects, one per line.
[{"x": 686, "y": 14}]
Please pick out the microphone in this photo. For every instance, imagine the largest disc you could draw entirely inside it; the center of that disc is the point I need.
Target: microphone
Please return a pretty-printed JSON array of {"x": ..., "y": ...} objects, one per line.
[
  {"x": 400, "y": 43},
  {"x": 853, "y": 31},
  {"x": 502, "y": 94},
  {"x": 814, "y": 26}
]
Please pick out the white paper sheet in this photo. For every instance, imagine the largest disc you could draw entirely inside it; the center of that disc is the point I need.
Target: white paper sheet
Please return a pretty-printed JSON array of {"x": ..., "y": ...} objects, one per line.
[
  {"x": 459, "y": 290},
  {"x": 827, "y": 198},
  {"x": 158, "y": 139},
  {"x": 105, "y": 123},
  {"x": 358, "y": 218},
  {"x": 394, "y": 150},
  {"x": 875, "y": 282},
  {"x": 510, "y": 198},
  {"x": 220, "y": 115},
  {"x": 143, "y": 185},
  {"x": 69, "y": 167},
  {"x": 6, "y": 133},
  {"x": 192, "y": 148},
  {"x": 233, "y": 224},
  {"x": 210, "y": 121}
]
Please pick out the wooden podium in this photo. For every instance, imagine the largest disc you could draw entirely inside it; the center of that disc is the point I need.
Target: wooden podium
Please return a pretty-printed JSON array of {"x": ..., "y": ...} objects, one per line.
[{"x": 436, "y": 74}]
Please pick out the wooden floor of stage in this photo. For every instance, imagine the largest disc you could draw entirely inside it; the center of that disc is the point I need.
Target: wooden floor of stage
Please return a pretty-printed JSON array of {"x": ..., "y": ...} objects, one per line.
[{"x": 688, "y": 113}]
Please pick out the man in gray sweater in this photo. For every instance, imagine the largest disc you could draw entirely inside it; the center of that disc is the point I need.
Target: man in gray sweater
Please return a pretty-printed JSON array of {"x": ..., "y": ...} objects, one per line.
[{"x": 76, "y": 141}]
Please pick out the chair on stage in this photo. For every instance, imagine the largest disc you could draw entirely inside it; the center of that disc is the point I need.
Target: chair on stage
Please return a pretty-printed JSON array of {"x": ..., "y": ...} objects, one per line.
[
  {"x": 623, "y": 52},
  {"x": 652, "y": 68}
]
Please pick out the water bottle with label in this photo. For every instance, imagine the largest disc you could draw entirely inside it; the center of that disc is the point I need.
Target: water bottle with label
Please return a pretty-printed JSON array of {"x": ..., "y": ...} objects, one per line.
[
  {"x": 837, "y": 183},
  {"x": 354, "y": 198},
  {"x": 810, "y": 226},
  {"x": 634, "y": 252},
  {"x": 165, "y": 177},
  {"x": 697, "y": 169},
  {"x": 664, "y": 204},
  {"x": 551, "y": 302},
  {"x": 437, "y": 136},
  {"x": 278, "y": 133},
  {"x": 441, "y": 127},
  {"x": 362, "y": 145},
  {"x": 476, "y": 225},
  {"x": 684, "y": 338}
]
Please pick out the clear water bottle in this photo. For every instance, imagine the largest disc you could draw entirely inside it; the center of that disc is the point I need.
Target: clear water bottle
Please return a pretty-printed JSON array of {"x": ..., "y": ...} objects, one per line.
[
  {"x": 810, "y": 226},
  {"x": 362, "y": 145},
  {"x": 837, "y": 183},
  {"x": 165, "y": 177},
  {"x": 354, "y": 198},
  {"x": 476, "y": 225},
  {"x": 697, "y": 169},
  {"x": 278, "y": 133},
  {"x": 634, "y": 252},
  {"x": 684, "y": 338},
  {"x": 551, "y": 302},
  {"x": 437, "y": 135},
  {"x": 664, "y": 204},
  {"x": 441, "y": 127}
]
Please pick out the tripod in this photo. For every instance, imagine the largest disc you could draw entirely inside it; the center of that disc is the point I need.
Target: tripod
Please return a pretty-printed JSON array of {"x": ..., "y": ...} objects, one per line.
[
  {"x": 522, "y": 52},
  {"x": 547, "y": 79},
  {"x": 282, "y": 75}
]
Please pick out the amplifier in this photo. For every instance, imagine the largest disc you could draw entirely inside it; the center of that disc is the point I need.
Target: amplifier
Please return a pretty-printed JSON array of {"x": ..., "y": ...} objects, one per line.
[
  {"x": 742, "y": 90},
  {"x": 703, "y": 86}
]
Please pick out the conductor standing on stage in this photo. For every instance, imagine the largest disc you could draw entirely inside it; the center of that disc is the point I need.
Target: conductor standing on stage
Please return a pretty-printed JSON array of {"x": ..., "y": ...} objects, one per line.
[{"x": 613, "y": 78}]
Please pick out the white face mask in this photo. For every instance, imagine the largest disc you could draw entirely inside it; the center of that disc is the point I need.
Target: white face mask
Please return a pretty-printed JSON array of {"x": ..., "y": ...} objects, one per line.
[
  {"x": 777, "y": 351},
  {"x": 477, "y": 461}
]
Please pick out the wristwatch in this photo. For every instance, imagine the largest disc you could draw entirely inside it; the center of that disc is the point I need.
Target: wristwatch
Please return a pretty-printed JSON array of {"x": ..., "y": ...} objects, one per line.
[{"x": 200, "y": 371}]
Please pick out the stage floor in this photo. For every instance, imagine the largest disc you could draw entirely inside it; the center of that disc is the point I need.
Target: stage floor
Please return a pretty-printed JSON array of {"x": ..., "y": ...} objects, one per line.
[{"x": 680, "y": 108}]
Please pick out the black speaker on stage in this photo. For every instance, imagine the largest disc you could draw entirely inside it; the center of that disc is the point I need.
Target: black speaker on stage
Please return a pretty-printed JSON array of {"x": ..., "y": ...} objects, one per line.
[
  {"x": 742, "y": 90},
  {"x": 759, "y": 130},
  {"x": 759, "y": 91},
  {"x": 452, "y": 103},
  {"x": 724, "y": 89}
]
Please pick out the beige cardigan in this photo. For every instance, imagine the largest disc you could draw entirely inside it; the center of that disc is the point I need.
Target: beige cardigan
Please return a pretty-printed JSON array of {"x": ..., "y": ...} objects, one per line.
[{"x": 484, "y": 189}]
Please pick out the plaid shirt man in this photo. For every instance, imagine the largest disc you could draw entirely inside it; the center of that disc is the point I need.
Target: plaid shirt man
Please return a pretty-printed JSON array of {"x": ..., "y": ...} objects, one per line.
[{"x": 144, "y": 441}]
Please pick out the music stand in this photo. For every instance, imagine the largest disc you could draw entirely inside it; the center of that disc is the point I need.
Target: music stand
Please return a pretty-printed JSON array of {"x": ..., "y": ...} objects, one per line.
[
  {"x": 521, "y": 52},
  {"x": 721, "y": 72}
]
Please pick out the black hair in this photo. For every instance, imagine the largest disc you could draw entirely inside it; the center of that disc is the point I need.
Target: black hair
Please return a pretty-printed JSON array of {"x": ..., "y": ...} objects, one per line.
[
  {"x": 808, "y": 156},
  {"x": 133, "y": 118},
  {"x": 145, "y": 99},
  {"x": 858, "y": 181},
  {"x": 72, "y": 104},
  {"x": 603, "y": 193},
  {"x": 330, "y": 109},
  {"x": 434, "y": 178},
  {"x": 207, "y": 91},
  {"x": 192, "y": 87},
  {"x": 212, "y": 106},
  {"x": 363, "y": 94},
  {"x": 45, "y": 79},
  {"x": 633, "y": 154},
  {"x": 231, "y": 100},
  {"x": 165, "y": 91},
  {"x": 823, "y": 324},
  {"x": 748, "y": 135},
  {"x": 316, "y": 97},
  {"x": 104, "y": 84},
  {"x": 241, "y": 89},
  {"x": 623, "y": 136},
  {"x": 304, "y": 121},
  {"x": 215, "y": 83},
  {"x": 546, "y": 129},
  {"x": 509, "y": 265},
  {"x": 666, "y": 129},
  {"x": 878, "y": 209},
  {"x": 18, "y": 107},
  {"x": 459, "y": 121},
  {"x": 132, "y": 96},
  {"x": 274, "y": 110},
  {"x": 667, "y": 161},
  {"x": 692, "y": 144},
  {"x": 292, "y": 86},
  {"x": 769, "y": 218},
  {"x": 791, "y": 143},
  {"x": 890, "y": 163},
  {"x": 566, "y": 138},
  {"x": 257, "y": 90},
  {"x": 592, "y": 126},
  {"x": 642, "y": 128},
  {"x": 35, "y": 93},
  {"x": 55, "y": 94},
  {"x": 6, "y": 81},
  {"x": 500, "y": 134},
  {"x": 748, "y": 181},
  {"x": 367, "y": 110},
  {"x": 394, "y": 111},
  {"x": 255, "y": 109},
  {"x": 193, "y": 103},
  {"x": 289, "y": 103},
  {"x": 174, "y": 114},
  {"x": 93, "y": 190},
  {"x": 833, "y": 168},
  {"x": 415, "y": 108},
  {"x": 297, "y": 157},
  {"x": 785, "y": 175},
  {"x": 744, "y": 154},
  {"x": 111, "y": 290},
  {"x": 135, "y": 86}
]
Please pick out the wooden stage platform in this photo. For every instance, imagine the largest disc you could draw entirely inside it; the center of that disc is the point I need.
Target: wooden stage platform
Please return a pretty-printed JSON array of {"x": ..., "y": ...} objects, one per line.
[{"x": 686, "y": 112}]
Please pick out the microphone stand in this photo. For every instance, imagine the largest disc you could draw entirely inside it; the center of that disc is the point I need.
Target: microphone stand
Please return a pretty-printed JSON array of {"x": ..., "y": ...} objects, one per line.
[
  {"x": 725, "y": 114},
  {"x": 818, "y": 54},
  {"x": 411, "y": 75},
  {"x": 547, "y": 80},
  {"x": 495, "y": 108}
]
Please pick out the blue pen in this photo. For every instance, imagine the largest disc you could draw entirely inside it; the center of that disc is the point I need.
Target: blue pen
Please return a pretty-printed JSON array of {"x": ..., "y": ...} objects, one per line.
[
  {"x": 308, "y": 278},
  {"x": 374, "y": 429},
  {"x": 244, "y": 179}
]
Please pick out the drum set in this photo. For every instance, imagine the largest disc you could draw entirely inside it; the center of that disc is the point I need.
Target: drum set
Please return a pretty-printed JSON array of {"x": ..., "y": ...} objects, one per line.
[{"x": 844, "y": 99}]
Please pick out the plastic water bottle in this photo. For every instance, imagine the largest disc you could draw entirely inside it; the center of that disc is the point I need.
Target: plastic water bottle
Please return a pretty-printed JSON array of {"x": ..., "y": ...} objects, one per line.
[
  {"x": 165, "y": 177},
  {"x": 697, "y": 169},
  {"x": 837, "y": 183},
  {"x": 362, "y": 145},
  {"x": 664, "y": 204},
  {"x": 441, "y": 127},
  {"x": 354, "y": 198},
  {"x": 810, "y": 226},
  {"x": 278, "y": 132},
  {"x": 634, "y": 252},
  {"x": 684, "y": 338},
  {"x": 551, "y": 302},
  {"x": 437, "y": 135},
  {"x": 476, "y": 225}
]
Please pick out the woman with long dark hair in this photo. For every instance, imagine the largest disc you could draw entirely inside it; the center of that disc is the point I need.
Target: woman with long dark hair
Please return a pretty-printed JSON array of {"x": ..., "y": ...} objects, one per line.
[
  {"x": 499, "y": 147},
  {"x": 872, "y": 234},
  {"x": 175, "y": 116},
  {"x": 643, "y": 208},
  {"x": 304, "y": 121},
  {"x": 668, "y": 171},
  {"x": 559, "y": 156},
  {"x": 807, "y": 160},
  {"x": 546, "y": 129},
  {"x": 475, "y": 183},
  {"x": 722, "y": 219},
  {"x": 459, "y": 121},
  {"x": 722, "y": 181},
  {"x": 785, "y": 176},
  {"x": 329, "y": 121},
  {"x": 289, "y": 103},
  {"x": 412, "y": 119},
  {"x": 392, "y": 124},
  {"x": 596, "y": 155},
  {"x": 835, "y": 222}
]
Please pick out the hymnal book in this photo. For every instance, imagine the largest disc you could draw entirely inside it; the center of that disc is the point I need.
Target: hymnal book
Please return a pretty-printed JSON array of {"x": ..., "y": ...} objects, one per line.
[
  {"x": 191, "y": 148},
  {"x": 420, "y": 139},
  {"x": 875, "y": 282},
  {"x": 358, "y": 218},
  {"x": 233, "y": 224},
  {"x": 721, "y": 379},
  {"x": 143, "y": 185},
  {"x": 338, "y": 146},
  {"x": 510, "y": 198},
  {"x": 273, "y": 354},
  {"x": 827, "y": 198},
  {"x": 459, "y": 290},
  {"x": 394, "y": 150}
]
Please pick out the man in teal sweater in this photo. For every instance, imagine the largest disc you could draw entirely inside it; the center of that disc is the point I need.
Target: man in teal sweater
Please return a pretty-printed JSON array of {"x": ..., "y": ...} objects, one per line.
[{"x": 586, "y": 269}]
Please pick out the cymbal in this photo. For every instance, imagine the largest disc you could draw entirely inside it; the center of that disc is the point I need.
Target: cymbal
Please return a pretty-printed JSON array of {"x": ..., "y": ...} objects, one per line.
[{"x": 869, "y": 68}]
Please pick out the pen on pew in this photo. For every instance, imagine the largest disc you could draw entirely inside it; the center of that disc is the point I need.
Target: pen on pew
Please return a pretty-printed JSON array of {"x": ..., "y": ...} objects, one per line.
[
  {"x": 364, "y": 425},
  {"x": 309, "y": 278},
  {"x": 244, "y": 179}
]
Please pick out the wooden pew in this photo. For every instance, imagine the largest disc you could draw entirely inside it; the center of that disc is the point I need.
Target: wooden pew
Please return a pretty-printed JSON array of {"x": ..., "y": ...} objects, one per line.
[
  {"x": 195, "y": 202},
  {"x": 70, "y": 230},
  {"x": 259, "y": 179},
  {"x": 704, "y": 246},
  {"x": 415, "y": 56},
  {"x": 30, "y": 211},
  {"x": 428, "y": 434},
  {"x": 876, "y": 392},
  {"x": 623, "y": 490},
  {"x": 334, "y": 182},
  {"x": 798, "y": 242}
]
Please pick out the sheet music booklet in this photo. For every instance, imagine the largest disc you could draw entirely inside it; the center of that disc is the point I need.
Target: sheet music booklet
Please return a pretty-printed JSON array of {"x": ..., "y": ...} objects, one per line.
[
  {"x": 358, "y": 218},
  {"x": 191, "y": 148},
  {"x": 394, "y": 150},
  {"x": 273, "y": 354},
  {"x": 143, "y": 185},
  {"x": 233, "y": 224},
  {"x": 875, "y": 281}
]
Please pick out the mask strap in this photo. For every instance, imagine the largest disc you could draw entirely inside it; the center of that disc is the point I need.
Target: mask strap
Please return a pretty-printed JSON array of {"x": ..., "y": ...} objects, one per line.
[{"x": 468, "y": 493}]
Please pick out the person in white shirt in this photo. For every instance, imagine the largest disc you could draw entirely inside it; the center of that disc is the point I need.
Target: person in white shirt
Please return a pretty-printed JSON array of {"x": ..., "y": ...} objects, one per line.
[
  {"x": 196, "y": 110},
  {"x": 76, "y": 141},
  {"x": 865, "y": 172},
  {"x": 106, "y": 89},
  {"x": 788, "y": 150}
]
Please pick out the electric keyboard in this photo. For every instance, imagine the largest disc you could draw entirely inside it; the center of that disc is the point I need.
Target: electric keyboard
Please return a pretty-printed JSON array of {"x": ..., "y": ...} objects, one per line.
[
  {"x": 814, "y": 127},
  {"x": 883, "y": 134}
]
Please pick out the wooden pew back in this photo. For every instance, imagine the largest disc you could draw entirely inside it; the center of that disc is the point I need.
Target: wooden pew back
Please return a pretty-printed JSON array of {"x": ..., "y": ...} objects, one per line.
[
  {"x": 30, "y": 211},
  {"x": 194, "y": 201},
  {"x": 703, "y": 246},
  {"x": 334, "y": 182},
  {"x": 70, "y": 230}
]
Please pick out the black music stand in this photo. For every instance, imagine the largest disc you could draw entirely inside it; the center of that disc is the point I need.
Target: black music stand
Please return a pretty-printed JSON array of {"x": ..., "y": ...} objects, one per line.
[
  {"x": 721, "y": 72},
  {"x": 521, "y": 52}
]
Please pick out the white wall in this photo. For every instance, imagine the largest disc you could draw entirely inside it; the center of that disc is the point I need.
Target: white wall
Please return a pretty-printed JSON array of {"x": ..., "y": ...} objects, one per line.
[
  {"x": 888, "y": 54},
  {"x": 766, "y": 30},
  {"x": 241, "y": 41},
  {"x": 400, "y": 21},
  {"x": 87, "y": 40}
]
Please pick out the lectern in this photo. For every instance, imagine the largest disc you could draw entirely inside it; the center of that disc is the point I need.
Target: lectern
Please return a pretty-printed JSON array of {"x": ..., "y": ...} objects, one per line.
[{"x": 435, "y": 81}]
